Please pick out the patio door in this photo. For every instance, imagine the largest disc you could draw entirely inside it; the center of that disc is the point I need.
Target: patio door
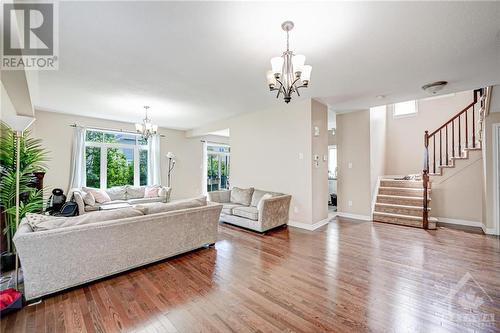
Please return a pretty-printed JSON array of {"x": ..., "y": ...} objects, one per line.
[{"x": 218, "y": 167}]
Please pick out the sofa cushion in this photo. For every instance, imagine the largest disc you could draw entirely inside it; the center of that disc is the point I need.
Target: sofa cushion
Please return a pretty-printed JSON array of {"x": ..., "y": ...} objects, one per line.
[
  {"x": 160, "y": 207},
  {"x": 227, "y": 208},
  {"x": 135, "y": 192},
  {"x": 117, "y": 193},
  {"x": 251, "y": 213},
  {"x": 145, "y": 200},
  {"x": 257, "y": 195},
  {"x": 44, "y": 222},
  {"x": 99, "y": 195},
  {"x": 241, "y": 196}
]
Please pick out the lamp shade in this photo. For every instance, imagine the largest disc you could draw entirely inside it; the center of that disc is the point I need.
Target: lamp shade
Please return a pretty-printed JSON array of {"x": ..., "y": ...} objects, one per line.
[
  {"x": 306, "y": 73},
  {"x": 18, "y": 123},
  {"x": 277, "y": 65},
  {"x": 271, "y": 80},
  {"x": 298, "y": 62},
  {"x": 170, "y": 155}
]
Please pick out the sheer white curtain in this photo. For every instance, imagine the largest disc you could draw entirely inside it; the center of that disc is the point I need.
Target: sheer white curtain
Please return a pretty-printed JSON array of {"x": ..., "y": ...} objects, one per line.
[
  {"x": 204, "y": 169},
  {"x": 154, "y": 171},
  {"x": 77, "y": 175}
]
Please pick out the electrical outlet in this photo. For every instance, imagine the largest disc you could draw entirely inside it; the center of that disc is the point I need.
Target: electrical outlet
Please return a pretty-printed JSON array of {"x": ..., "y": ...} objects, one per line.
[
  {"x": 349, "y": 203},
  {"x": 301, "y": 156},
  {"x": 349, "y": 165}
]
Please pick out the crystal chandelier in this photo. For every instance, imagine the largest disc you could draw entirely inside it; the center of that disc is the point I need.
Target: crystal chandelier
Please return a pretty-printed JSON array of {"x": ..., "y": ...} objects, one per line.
[
  {"x": 147, "y": 128},
  {"x": 288, "y": 72}
]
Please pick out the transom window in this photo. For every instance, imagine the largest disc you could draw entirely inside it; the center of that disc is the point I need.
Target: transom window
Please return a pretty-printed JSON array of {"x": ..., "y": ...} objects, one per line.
[
  {"x": 405, "y": 109},
  {"x": 115, "y": 159}
]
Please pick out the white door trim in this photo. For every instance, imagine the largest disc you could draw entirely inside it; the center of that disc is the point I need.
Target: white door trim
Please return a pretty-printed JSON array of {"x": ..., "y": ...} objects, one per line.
[{"x": 496, "y": 177}]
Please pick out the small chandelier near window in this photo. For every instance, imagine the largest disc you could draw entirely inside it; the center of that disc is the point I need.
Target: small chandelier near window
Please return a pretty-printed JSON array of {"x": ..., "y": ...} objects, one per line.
[
  {"x": 147, "y": 128},
  {"x": 288, "y": 71}
]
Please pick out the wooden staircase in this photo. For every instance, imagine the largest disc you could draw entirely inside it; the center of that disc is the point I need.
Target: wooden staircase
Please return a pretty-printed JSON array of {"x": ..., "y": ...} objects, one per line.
[
  {"x": 407, "y": 202},
  {"x": 401, "y": 202}
]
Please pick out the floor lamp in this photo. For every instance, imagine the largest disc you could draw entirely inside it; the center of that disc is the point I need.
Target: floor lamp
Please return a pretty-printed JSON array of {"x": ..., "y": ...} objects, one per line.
[
  {"x": 18, "y": 124},
  {"x": 171, "y": 165}
]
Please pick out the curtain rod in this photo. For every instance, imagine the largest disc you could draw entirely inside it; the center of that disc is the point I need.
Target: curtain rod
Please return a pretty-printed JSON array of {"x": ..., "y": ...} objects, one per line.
[{"x": 110, "y": 129}]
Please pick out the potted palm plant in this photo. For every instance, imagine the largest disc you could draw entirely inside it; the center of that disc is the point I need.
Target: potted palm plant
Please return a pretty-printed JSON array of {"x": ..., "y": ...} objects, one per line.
[{"x": 32, "y": 159}]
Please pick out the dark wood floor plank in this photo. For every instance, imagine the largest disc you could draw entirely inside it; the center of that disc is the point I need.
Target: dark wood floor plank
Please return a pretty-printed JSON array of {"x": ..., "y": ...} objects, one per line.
[{"x": 348, "y": 276}]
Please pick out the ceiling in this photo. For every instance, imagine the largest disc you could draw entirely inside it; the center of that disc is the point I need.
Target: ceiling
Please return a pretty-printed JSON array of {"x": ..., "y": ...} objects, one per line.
[{"x": 198, "y": 62}]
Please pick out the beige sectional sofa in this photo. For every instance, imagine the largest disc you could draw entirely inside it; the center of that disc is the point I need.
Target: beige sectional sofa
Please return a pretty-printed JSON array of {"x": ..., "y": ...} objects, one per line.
[
  {"x": 252, "y": 208},
  {"x": 76, "y": 250},
  {"x": 119, "y": 195}
]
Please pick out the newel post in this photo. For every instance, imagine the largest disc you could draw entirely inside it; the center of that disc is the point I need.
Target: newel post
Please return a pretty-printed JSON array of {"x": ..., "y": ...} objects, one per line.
[{"x": 425, "y": 181}]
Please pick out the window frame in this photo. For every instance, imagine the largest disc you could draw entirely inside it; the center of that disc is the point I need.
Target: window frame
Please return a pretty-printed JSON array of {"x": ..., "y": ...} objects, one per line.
[
  {"x": 406, "y": 115},
  {"x": 104, "y": 146}
]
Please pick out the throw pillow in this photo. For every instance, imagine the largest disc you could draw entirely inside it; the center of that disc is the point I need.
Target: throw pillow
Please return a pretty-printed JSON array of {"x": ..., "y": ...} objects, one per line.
[
  {"x": 242, "y": 196},
  {"x": 77, "y": 196},
  {"x": 135, "y": 192},
  {"x": 261, "y": 202},
  {"x": 100, "y": 195},
  {"x": 88, "y": 198},
  {"x": 151, "y": 191},
  {"x": 117, "y": 193},
  {"x": 164, "y": 192}
]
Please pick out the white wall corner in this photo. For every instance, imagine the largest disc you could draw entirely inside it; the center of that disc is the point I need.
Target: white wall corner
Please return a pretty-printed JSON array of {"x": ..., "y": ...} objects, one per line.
[{"x": 313, "y": 226}]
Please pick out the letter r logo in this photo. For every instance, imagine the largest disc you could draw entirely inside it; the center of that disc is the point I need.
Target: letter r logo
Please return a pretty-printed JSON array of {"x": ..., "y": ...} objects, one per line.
[{"x": 28, "y": 29}]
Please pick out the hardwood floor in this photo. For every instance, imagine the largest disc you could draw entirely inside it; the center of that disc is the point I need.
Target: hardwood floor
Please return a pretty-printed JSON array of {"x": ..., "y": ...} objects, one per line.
[{"x": 347, "y": 276}]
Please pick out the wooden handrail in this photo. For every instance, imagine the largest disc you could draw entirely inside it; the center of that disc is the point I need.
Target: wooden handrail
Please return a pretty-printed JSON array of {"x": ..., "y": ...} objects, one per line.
[
  {"x": 445, "y": 128},
  {"x": 458, "y": 114}
]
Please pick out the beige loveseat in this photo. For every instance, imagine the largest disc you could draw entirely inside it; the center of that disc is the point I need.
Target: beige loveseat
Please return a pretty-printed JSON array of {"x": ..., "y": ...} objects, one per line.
[
  {"x": 119, "y": 195},
  {"x": 76, "y": 250},
  {"x": 252, "y": 208}
]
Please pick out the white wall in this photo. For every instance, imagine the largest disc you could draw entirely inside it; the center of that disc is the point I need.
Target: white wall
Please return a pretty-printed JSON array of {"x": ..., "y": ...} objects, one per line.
[
  {"x": 353, "y": 147},
  {"x": 272, "y": 150},
  {"x": 377, "y": 145},
  {"x": 56, "y": 135},
  {"x": 319, "y": 119}
]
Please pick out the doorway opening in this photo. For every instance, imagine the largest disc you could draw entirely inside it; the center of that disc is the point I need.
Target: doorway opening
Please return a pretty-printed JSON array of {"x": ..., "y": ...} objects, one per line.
[{"x": 218, "y": 167}]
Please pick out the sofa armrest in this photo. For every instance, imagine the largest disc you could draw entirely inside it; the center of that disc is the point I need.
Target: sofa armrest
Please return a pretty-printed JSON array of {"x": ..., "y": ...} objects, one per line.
[
  {"x": 220, "y": 196},
  {"x": 165, "y": 191},
  {"x": 274, "y": 211}
]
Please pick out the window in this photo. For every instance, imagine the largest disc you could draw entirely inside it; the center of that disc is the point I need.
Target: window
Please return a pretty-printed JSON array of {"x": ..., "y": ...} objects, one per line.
[
  {"x": 218, "y": 167},
  {"x": 405, "y": 109},
  {"x": 115, "y": 159}
]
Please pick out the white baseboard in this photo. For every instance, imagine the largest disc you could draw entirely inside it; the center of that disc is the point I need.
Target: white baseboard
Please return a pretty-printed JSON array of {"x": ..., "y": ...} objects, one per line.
[
  {"x": 460, "y": 222},
  {"x": 354, "y": 216},
  {"x": 490, "y": 231},
  {"x": 313, "y": 226}
]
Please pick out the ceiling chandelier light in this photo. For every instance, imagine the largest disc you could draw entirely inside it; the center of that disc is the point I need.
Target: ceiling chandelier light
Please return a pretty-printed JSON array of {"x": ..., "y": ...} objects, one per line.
[
  {"x": 147, "y": 128},
  {"x": 288, "y": 72}
]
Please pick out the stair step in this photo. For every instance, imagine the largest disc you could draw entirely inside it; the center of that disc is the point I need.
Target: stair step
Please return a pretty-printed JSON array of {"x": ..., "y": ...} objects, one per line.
[
  {"x": 411, "y": 221},
  {"x": 401, "y": 200},
  {"x": 399, "y": 209},
  {"x": 401, "y": 183},
  {"x": 402, "y": 191}
]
